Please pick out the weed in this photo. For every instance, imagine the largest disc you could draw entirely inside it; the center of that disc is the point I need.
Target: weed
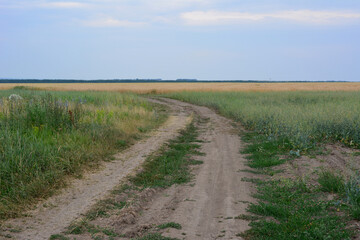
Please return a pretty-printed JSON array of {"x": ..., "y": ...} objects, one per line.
[
  {"x": 170, "y": 225},
  {"x": 352, "y": 193},
  {"x": 58, "y": 237},
  {"x": 101, "y": 208},
  {"x": 264, "y": 153},
  {"x": 195, "y": 162},
  {"x": 330, "y": 182},
  {"x": 155, "y": 236},
  {"x": 78, "y": 227},
  {"x": 170, "y": 165},
  {"x": 109, "y": 232}
]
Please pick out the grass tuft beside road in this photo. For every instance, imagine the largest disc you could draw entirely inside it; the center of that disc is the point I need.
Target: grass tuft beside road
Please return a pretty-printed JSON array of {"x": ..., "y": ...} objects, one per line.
[{"x": 170, "y": 166}]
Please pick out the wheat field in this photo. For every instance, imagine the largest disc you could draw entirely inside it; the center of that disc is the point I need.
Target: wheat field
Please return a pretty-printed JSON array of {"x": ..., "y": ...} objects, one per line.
[{"x": 200, "y": 86}]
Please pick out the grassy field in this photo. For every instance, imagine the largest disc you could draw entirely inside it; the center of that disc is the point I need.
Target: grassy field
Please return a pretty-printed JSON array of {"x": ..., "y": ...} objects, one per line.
[
  {"x": 46, "y": 136},
  {"x": 300, "y": 119},
  {"x": 203, "y": 87}
]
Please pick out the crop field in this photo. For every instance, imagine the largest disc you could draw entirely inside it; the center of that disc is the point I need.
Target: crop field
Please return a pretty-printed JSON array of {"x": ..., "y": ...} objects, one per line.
[
  {"x": 202, "y": 87},
  {"x": 46, "y": 136},
  {"x": 300, "y": 118}
]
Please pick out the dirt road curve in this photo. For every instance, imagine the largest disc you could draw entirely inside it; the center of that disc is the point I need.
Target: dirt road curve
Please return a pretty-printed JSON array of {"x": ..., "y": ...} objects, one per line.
[{"x": 205, "y": 209}]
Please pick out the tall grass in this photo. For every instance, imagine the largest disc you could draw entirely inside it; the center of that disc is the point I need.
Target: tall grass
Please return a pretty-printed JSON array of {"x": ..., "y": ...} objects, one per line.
[
  {"x": 302, "y": 118},
  {"x": 48, "y": 135}
]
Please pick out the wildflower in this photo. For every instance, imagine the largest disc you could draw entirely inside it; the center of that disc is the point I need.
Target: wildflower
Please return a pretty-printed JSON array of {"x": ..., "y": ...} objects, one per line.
[{"x": 15, "y": 97}]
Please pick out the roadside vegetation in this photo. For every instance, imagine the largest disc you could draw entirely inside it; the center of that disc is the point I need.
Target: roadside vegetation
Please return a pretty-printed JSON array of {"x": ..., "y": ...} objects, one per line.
[
  {"x": 281, "y": 127},
  {"x": 46, "y": 136},
  {"x": 295, "y": 208}
]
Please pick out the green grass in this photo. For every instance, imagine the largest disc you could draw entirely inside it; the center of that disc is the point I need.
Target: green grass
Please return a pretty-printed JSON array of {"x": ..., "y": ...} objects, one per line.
[
  {"x": 264, "y": 153},
  {"x": 155, "y": 236},
  {"x": 170, "y": 225},
  {"x": 47, "y": 136},
  {"x": 352, "y": 196},
  {"x": 170, "y": 165},
  {"x": 292, "y": 209},
  {"x": 84, "y": 226},
  {"x": 330, "y": 182},
  {"x": 301, "y": 118},
  {"x": 58, "y": 237}
]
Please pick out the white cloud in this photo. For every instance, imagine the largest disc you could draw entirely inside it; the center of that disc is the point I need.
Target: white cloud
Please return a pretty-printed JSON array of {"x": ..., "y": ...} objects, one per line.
[
  {"x": 306, "y": 16},
  {"x": 166, "y": 5},
  {"x": 63, "y": 5},
  {"x": 111, "y": 22}
]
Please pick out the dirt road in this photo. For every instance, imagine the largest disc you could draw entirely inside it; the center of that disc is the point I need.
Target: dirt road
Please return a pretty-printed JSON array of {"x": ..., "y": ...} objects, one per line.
[{"x": 205, "y": 208}]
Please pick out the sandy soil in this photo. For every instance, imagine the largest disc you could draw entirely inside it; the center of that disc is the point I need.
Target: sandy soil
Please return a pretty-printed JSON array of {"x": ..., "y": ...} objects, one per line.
[
  {"x": 335, "y": 158},
  {"x": 206, "y": 208}
]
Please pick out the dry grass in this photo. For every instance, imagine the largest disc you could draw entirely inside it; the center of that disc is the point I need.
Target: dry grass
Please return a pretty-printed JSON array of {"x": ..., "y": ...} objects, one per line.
[{"x": 173, "y": 87}]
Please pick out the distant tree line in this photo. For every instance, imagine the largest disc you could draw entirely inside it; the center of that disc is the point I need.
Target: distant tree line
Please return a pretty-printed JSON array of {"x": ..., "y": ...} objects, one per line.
[{"x": 137, "y": 81}]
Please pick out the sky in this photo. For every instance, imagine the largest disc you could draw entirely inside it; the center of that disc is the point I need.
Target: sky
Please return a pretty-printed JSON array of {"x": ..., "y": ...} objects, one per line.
[{"x": 313, "y": 40}]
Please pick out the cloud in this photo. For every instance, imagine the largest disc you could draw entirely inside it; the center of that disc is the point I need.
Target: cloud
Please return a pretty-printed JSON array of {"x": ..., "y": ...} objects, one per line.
[
  {"x": 305, "y": 16},
  {"x": 111, "y": 22},
  {"x": 43, "y": 4},
  {"x": 63, "y": 5},
  {"x": 166, "y": 5}
]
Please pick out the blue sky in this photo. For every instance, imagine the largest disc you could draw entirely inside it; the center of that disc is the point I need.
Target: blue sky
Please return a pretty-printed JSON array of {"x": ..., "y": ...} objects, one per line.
[{"x": 170, "y": 39}]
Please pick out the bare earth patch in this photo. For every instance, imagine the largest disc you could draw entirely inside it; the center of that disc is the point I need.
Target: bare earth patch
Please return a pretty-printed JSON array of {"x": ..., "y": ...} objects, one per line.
[{"x": 334, "y": 158}]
